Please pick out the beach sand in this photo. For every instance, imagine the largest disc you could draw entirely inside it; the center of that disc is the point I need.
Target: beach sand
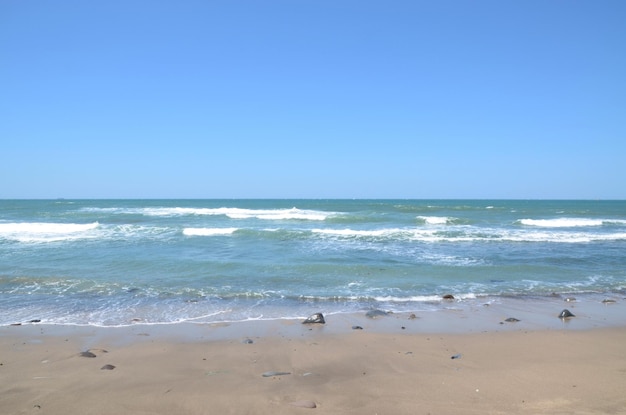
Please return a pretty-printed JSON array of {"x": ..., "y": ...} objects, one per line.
[{"x": 391, "y": 366}]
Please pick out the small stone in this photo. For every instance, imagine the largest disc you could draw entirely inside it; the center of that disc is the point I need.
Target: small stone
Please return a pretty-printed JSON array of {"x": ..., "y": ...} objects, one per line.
[
  {"x": 448, "y": 297},
  {"x": 357, "y": 328},
  {"x": 87, "y": 354},
  {"x": 566, "y": 314},
  {"x": 608, "y": 301},
  {"x": 315, "y": 318},
  {"x": 273, "y": 373},
  {"x": 107, "y": 367},
  {"x": 412, "y": 316},
  {"x": 248, "y": 341},
  {"x": 511, "y": 320},
  {"x": 570, "y": 299}
]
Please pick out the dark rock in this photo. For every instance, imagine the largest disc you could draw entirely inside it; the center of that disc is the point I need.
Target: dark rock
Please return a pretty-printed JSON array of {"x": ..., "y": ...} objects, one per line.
[
  {"x": 87, "y": 354},
  {"x": 608, "y": 301},
  {"x": 448, "y": 297},
  {"x": 107, "y": 367},
  {"x": 357, "y": 328},
  {"x": 566, "y": 314},
  {"x": 315, "y": 318},
  {"x": 376, "y": 313},
  {"x": 511, "y": 320},
  {"x": 273, "y": 373},
  {"x": 35, "y": 321}
]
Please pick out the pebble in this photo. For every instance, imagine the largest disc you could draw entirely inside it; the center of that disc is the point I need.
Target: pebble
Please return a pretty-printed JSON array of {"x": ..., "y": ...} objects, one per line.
[
  {"x": 107, "y": 367},
  {"x": 272, "y": 373},
  {"x": 87, "y": 354}
]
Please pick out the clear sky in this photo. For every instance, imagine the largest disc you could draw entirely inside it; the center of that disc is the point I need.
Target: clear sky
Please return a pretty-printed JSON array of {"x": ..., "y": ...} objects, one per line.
[{"x": 313, "y": 99}]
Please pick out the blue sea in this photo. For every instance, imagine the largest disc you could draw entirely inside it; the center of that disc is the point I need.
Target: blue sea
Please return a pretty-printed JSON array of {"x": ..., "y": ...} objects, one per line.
[{"x": 118, "y": 262}]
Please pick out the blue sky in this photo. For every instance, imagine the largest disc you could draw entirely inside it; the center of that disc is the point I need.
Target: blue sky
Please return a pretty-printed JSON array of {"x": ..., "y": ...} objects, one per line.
[{"x": 313, "y": 99}]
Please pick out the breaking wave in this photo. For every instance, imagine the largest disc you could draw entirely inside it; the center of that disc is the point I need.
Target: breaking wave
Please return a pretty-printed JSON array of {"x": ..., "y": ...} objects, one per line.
[
  {"x": 233, "y": 213},
  {"x": 46, "y": 232},
  {"x": 208, "y": 231},
  {"x": 567, "y": 222}
]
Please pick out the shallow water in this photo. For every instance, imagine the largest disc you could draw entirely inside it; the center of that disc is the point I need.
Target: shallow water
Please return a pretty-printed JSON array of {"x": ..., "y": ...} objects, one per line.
[{"x": 115, "y": 262}]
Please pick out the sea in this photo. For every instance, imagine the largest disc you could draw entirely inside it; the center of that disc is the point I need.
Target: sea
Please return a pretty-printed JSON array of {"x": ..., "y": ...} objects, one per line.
[{"x": 120, "y": 262}]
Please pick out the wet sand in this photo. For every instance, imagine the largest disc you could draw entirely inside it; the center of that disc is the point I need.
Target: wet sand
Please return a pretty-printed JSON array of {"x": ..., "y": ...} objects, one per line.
[{"x": 456, "y": 362}]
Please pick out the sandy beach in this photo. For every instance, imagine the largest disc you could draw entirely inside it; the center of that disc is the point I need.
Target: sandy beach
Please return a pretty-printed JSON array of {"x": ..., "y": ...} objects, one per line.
[{"x": 391, "y": 365}]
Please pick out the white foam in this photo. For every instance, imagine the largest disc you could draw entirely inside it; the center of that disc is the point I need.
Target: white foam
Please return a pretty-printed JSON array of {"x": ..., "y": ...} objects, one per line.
[
  {"x": 208, "y": 231},
  {"x": 435, "y": 220},
  {"x": 464, "y": 233},
  {"x": 233, "y": 213},
  {"x": 561, "y": 222},
  {"x": 357, "y": 233},
  {"x": 423, "y": 298},
  {"x": 563, "y": 237},
  {"x": 46, "y": 232},
  {"x": 131, "y": 231},
  {"x": 277, "y": 214}
]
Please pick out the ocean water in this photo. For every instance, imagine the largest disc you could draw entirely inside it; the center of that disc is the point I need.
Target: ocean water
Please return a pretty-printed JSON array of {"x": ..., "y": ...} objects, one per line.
[{"x": 117, "y": 262}]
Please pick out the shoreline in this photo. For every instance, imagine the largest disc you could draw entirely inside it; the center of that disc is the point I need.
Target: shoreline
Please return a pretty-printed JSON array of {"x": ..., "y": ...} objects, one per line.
[
  {"x": 452, "y": 317},
  {"x": 448, "y": 362}
]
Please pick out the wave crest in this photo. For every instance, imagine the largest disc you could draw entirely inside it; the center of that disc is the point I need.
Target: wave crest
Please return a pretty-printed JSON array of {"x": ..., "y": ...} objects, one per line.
[
  {"x": 435, "y": 220},
  {"x": 46, "y": 231},
  {"x": 561, "y": 222},
  {"x": 208, "y": 231},
  {"x": 233, "y": 213}
]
